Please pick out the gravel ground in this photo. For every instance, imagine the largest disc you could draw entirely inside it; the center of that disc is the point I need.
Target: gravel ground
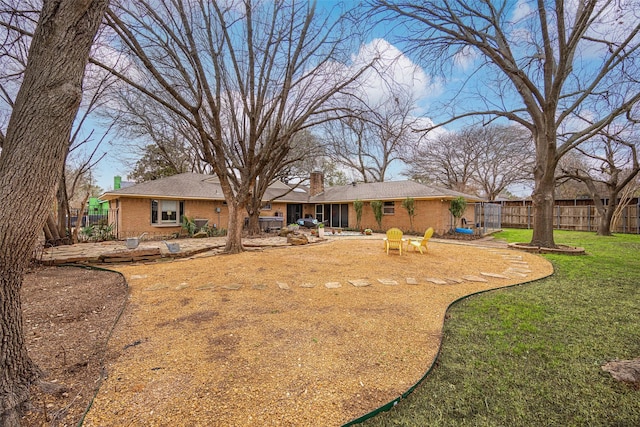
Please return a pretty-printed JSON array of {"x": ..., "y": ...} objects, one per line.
[{"x": 281, "y": 337}]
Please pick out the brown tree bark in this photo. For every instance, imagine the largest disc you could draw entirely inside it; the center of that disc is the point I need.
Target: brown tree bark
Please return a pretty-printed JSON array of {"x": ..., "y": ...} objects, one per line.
[
  {"x": 37, "y": 135},
  {"x": 543, "y": 196},
  {"x": 237, "y": 214}
]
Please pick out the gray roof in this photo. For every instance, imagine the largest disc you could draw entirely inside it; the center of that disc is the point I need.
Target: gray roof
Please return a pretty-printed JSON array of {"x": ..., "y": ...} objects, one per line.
[
  {"x": 199, "y": 186},
  {"x": 388, "y": 190},
  {"x": 184, "y": 185},
  {"x": 196, "y": 186}
]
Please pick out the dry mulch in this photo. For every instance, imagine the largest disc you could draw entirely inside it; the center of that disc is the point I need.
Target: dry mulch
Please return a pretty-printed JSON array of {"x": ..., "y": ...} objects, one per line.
[
  {"x": 241, "y": 340},
  {"x": 68, "y": 315}
]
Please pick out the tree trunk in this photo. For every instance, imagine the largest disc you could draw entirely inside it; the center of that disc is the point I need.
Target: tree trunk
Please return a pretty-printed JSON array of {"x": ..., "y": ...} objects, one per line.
[
  {"x": 76, "y": 229},
  {"x": 606, "y": 215},
  {"x": 48, "y": 236},
  {"x": 37, "y": 135},
  {"x": 63, "y": 210},
  {"x": 543, "y": 194},
  {"x": 53, "y": 237},
  {"x": 237, "y": 214},
  {"x": 543, "y": 204},
  {"x": 254, "y": 224},
  {"x": 19, "y": 372}
]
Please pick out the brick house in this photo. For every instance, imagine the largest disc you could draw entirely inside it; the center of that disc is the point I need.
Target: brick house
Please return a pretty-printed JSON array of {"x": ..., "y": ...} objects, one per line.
[{"x": 157, "y": 207}]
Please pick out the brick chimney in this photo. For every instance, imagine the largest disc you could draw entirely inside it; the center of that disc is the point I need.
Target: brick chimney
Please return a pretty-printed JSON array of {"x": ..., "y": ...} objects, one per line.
[{"x": 316, "y": 185}]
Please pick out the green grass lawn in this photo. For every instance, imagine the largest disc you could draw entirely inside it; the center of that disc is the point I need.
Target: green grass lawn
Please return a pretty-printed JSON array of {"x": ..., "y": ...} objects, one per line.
[{"x": 531, "y": 355}]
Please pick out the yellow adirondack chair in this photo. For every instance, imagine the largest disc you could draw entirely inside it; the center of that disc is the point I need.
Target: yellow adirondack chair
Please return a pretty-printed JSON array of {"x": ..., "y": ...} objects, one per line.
[
  {"x": 393, "y": 240},
  {"x": 419, "y": 244}
]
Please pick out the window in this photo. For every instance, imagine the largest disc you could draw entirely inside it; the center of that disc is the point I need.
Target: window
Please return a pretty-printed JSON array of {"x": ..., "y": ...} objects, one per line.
[
  {"x": 167, "y": 212},
  {"x": 266, "y": 206},
  {"x": 319, "y": 213},
  {"x": 389, "y": 208}
]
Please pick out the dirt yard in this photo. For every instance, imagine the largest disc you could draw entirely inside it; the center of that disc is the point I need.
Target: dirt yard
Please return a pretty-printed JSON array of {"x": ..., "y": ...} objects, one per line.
[{"x": 286, "y": 337}]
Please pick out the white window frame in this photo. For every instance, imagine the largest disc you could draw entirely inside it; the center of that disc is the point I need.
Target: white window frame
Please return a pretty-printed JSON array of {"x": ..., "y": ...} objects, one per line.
[{"x": 172, "y": 207}]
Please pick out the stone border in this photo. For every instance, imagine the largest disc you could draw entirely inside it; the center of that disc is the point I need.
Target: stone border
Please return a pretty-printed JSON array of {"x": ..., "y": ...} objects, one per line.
[{"x": 561, "y": 249}]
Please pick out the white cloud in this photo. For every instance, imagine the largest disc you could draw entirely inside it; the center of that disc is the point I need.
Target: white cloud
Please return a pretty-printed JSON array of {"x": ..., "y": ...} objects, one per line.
[
  {"x": 393, "y": 70},
  {"x": 465, "y": 58},
  {"x": 521, "y": 11}
]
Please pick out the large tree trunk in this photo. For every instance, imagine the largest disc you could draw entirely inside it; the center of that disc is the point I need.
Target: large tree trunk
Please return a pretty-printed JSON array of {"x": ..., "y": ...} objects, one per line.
[
  {"x": 606, "y": 215},
  {"x": 253, "y": 228},
  {"x": 37, "y": 135},
  {"x": 543, "y": 193},
  {"x": 543, "y": 204},
  {"x": 18, "y": 371},
  {"x": 253, "y": 209},
  {"x": 237, "y": 214}
]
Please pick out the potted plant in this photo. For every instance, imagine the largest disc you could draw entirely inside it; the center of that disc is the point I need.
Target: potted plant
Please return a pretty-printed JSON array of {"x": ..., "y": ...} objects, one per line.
[
  {"x": 321, "y": 230},
  {"x": 368, "y": 231}
]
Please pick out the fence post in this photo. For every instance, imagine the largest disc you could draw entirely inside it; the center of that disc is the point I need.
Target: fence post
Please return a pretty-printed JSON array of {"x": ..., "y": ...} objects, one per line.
[{"x": 625, "y": 216}]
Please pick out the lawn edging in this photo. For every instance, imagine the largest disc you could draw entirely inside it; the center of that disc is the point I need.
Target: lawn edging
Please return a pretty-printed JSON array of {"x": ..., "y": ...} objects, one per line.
[
  {"x": 391, "y": 404},
  {"x": 100, "y": 380}
]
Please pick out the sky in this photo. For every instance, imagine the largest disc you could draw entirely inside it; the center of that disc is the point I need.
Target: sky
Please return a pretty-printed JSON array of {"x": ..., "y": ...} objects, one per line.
[
  {"x": 426, "y": 88},
  {"x": 398, "y": 67}
]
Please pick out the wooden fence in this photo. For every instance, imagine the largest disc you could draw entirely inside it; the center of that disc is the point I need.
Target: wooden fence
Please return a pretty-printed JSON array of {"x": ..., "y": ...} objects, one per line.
[{"x": 579, "y": 218}]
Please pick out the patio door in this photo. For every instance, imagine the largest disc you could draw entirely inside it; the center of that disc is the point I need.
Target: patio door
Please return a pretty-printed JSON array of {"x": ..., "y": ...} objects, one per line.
[
  {"x": 294, "y": 213},
  {"x": 336, "y": 215}
]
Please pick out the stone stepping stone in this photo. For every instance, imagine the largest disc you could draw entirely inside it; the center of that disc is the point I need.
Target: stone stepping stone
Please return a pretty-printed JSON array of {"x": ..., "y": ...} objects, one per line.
[
  {"x": 436, "y": 281},
  {"x": 205, "y": 287},
  {"x": 137, "y": 276},
  {"x": 512, "y": 273},
  {"x": 283, "y": 286},
  {"x": 181, "y": 286},
  {"x": 232, "y": 286},
  {"x": 156, "y": 287},
  {"x": 513, "y": 257},
  {"x": 454, "y": 280},
  {"x": 520, "y": 270},
  {"x": 360, "y": 282},
  {"x": 259, "y": 286},
  {"x": 332, "y": 285},
  {"x": 389, "y": 282},
  {"x": 474, "y": 279},
  {"x": 412, "y": 281},
  {"x": 496, "y": 275},
  {"x": 307, "y": 285},
  {"x": 522, "y": 263}
]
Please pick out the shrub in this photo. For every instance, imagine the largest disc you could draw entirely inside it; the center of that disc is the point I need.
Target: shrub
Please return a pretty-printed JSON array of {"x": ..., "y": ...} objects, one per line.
[{"x": 376, "y": 206}]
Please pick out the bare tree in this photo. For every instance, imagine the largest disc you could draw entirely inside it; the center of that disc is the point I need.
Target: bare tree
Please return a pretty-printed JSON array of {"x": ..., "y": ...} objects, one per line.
[
  {"x": 13, "y": 57},
  {"x": 448, "y": 160},
  {"x": 609, "y": 165},
  {"x": 307, "y": 155},
  {"x": 163, "y": 143},
  {"x": 37, "y": 135},
  {"x": 563, "y": 70},
  {"x": 160, "y": 161},
  {"x": 504, "y": 158},
  {"x": 245, "y": 75},
  {"x": 372, "y": 136}
]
